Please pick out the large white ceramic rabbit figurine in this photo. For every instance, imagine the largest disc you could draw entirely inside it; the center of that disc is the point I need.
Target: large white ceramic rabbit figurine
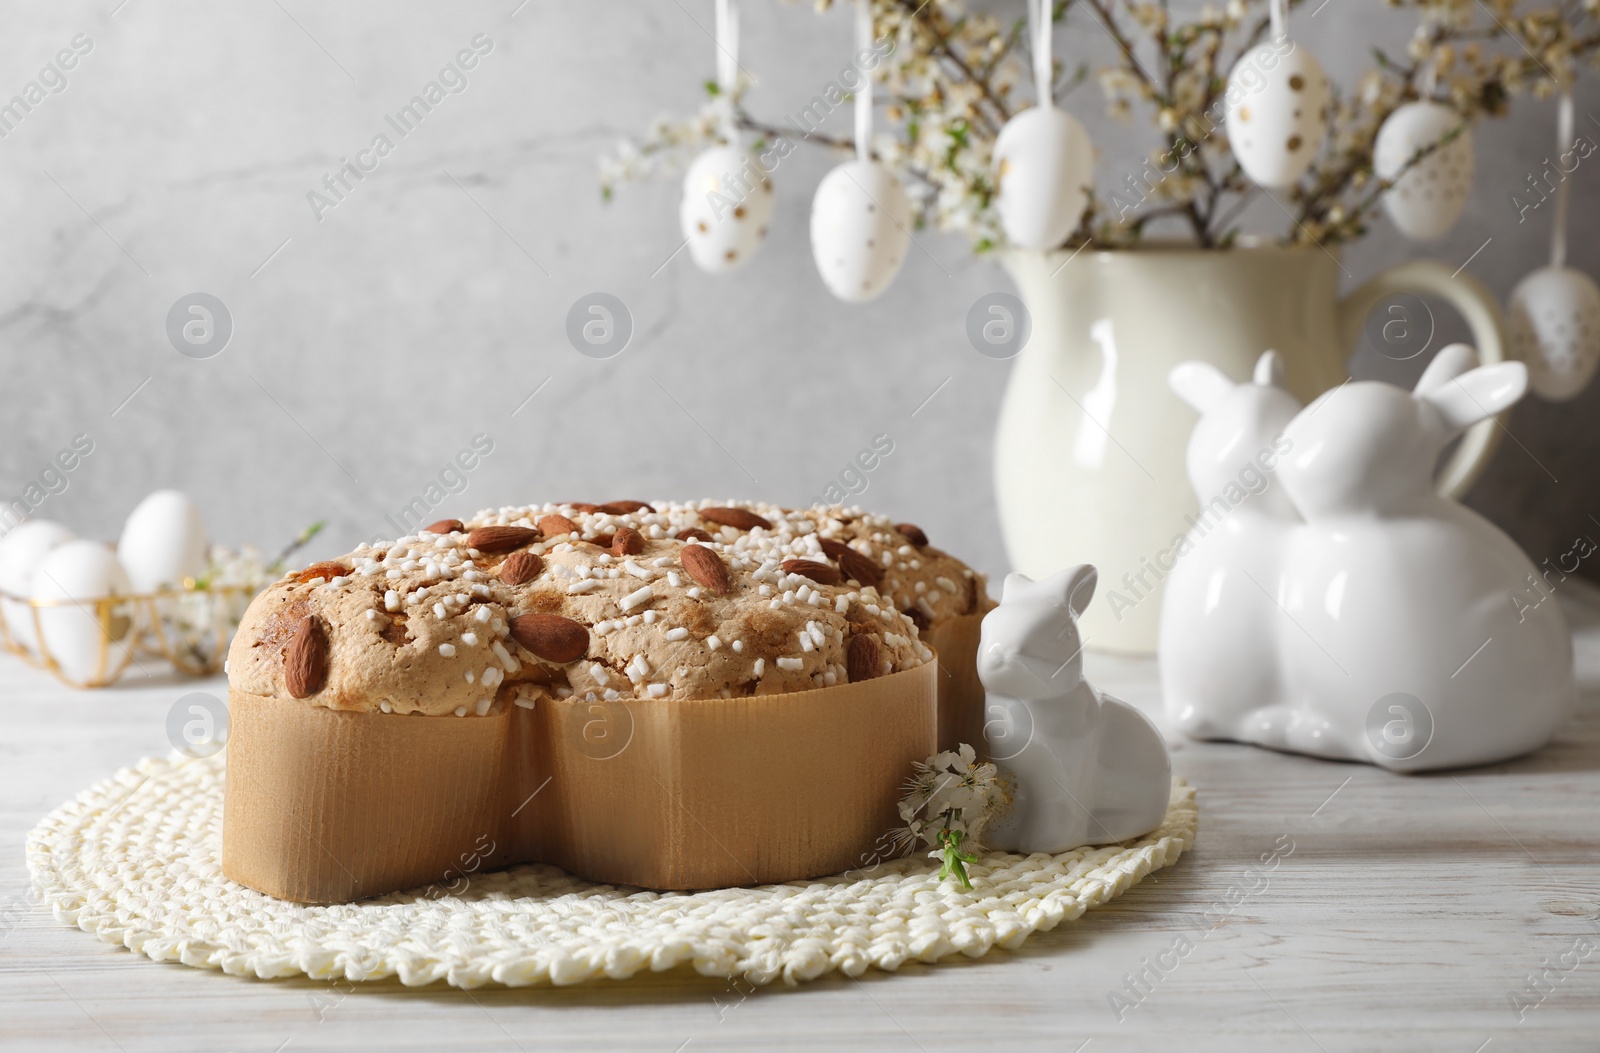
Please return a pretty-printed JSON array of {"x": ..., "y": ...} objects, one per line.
[
  {"x": 1405, "y": 629},
  {"x": 1213, "y": 618},
  {"x": 1393, "y": 625},
  {"x": 1088, "y": 768}
]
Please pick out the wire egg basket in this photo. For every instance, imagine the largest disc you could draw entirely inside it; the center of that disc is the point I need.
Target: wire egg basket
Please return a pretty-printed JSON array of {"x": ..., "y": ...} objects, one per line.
[{"x": 90, "y": 643}]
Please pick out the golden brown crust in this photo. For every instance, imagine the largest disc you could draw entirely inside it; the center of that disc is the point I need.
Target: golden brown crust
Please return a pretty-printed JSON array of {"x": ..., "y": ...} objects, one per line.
[{"x": 425, "y": 625}]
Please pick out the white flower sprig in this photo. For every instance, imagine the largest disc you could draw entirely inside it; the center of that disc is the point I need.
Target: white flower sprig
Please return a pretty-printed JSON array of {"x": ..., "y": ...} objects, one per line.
[
  {"x": 669, "y": 145},
  {"x": 949, "y": 799}
]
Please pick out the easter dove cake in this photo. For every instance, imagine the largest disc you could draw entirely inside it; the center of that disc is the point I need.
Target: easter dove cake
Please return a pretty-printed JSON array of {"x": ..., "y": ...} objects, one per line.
[{"x": 667, "y": 695}]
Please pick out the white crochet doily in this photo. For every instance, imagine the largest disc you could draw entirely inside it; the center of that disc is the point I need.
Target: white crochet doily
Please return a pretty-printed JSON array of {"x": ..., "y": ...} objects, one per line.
[{"x": 135, "y": 859}]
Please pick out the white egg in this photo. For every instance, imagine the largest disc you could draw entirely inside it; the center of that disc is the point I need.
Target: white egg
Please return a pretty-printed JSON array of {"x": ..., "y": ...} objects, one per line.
[
  {"x": 1277, "y": 112},
  {"x": 726, "y": 207},
  {"x": 86, "y": 644},
  {"x": 21, "y": 552},
  {"x": 1426, "y": 198},
  {"x": 1555, "y": 329},
  {"x": 1044, "y": 169},
  {"x": 163, "y": 541},
  {"x": 860, "y": 229}
]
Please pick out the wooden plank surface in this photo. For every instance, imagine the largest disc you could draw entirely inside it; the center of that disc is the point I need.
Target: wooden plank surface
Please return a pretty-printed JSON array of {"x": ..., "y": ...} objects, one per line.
[{"x": 1393, "y": 913}]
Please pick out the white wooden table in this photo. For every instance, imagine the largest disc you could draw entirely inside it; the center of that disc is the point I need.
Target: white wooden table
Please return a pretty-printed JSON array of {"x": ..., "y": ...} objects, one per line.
[{"x": 1401, "y": 913}]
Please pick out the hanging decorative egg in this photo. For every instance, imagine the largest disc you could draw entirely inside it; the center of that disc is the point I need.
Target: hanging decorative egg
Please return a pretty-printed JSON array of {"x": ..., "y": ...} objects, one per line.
[
  {"x": 1044, "y": 168},
  {"x": 1426, "y": 198},
  {"x": 1277, "y": 112},
  {"x": 1555, "y": 329},
  {"x": 726, "y": 208},
  {"x": 860, "y": 229}
]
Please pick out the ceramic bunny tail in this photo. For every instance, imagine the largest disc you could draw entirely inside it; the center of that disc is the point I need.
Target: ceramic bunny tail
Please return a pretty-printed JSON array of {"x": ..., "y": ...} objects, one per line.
[{"x": 1087, "y": 768}]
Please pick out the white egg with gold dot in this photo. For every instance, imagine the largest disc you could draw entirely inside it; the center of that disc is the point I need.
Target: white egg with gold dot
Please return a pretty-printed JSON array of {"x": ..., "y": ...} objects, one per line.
[
  {"x": 1276, "y": 112},
  {"x": 860, "y": 229},
  {"x": 1043, "y": 173},
  {"x": 1555, "y": 329},
  {"x": 726, "y": 208},
  {"x": 1429, "y": 189}
]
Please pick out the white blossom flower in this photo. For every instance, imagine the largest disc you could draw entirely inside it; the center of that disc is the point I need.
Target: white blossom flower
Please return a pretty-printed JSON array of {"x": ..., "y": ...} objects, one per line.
[{"x": 949, "y": 799}]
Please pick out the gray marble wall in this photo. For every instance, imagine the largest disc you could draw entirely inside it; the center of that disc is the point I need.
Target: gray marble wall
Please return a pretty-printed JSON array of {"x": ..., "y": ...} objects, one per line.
[{"x": 371, "y": 344}]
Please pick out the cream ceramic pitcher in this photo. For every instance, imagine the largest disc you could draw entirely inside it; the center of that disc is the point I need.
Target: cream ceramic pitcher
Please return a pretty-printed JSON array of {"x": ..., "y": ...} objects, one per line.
[{"x": 1089, "y": 453}]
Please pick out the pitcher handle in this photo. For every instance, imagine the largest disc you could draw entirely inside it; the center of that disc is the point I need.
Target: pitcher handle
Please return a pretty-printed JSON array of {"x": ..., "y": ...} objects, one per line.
[{"x": 1475, "y": 303}]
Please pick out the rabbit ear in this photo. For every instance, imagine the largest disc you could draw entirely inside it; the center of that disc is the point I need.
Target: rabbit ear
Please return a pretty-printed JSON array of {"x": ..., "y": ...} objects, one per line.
[
  {"x": 1200, "y": 384},
  {"x": 1015, "y": 586},
  {"x": 1077, "y": 586},
  {"x": 1478, "y": 394},
  {"x": 1448, "y": 364},
  {"x": 1269, "y": 370}
]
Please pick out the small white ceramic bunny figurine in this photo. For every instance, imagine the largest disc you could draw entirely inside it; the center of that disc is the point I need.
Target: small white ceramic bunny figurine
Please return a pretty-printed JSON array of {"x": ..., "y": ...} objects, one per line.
[
  {"x": 1215, "y": 616},
  {"x": 1407, "y": 635},
  {"x": 1088, "y": 768}
]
